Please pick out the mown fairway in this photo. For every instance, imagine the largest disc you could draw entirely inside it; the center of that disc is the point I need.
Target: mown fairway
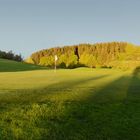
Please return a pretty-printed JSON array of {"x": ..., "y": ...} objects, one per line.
[{"x": 78, "y": 104}]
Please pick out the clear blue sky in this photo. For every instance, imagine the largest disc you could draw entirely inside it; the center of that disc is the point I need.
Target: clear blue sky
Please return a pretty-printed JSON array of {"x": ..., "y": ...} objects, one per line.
[{"x": 30, "y": 25}]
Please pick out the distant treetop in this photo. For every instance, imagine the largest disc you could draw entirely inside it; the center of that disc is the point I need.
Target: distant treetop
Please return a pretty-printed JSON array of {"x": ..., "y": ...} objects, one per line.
[{"x": 11, "y": 56}]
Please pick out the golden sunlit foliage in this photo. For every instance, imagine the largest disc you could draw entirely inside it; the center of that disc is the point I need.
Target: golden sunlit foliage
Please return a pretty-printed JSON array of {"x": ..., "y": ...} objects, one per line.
[{"x": 113, "y": 54}]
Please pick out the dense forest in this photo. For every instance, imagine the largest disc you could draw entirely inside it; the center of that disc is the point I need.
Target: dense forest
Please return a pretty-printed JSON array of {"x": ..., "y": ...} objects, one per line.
[
  {"x": 11, "y": 56},
  {"x": 113, "y": 54}
]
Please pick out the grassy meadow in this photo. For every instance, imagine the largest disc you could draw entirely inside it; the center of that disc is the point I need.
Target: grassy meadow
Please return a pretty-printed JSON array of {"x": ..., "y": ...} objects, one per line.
[{"x": 78, "y": 104}]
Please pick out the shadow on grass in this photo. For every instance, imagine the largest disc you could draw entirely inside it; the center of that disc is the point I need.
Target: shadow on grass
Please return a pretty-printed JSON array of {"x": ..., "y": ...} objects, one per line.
[
  {"x": 112, "y": 113},
  {"x": 134, "y": 88},
  {"x": 108, "y": 114},
  {"x": 41, "y": 95},
  {"x": 20, "y": 103}
]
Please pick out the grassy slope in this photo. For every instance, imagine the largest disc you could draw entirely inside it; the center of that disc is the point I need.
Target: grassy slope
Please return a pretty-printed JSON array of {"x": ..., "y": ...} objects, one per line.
[
  {"x": 13, "y": 66},
  {"x": 79, "y": 104}
]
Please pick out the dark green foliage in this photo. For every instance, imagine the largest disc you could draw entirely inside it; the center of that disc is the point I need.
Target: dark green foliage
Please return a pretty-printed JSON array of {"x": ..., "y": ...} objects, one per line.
[
  {"x": 11, "y": 56},
  {"x": 90, "y": 55}
]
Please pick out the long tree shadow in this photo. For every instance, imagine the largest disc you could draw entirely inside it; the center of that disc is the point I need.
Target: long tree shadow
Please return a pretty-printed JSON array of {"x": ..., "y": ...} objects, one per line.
[
  {"x": 112, "y": 113},
  {"x": 120, "y": 108},
  {"x": 107, "y": 114},
  {"x": 23, "y": 100},
  {"x": 26, "y": 96},
  {"x": 133, "y": 93},
  {"x": 97, "y": 116}
]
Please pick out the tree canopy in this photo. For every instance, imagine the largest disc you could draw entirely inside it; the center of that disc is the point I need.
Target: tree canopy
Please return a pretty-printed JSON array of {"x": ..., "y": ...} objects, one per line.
[
  {"x": 11, "y": 56},
  {"x": 111, "y": 54}
]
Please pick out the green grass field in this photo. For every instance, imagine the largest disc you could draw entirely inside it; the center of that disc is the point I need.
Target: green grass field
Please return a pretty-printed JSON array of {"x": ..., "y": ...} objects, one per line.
[
  {"x": 12, "y": 66},
  {"x": 78, "y": 104}
]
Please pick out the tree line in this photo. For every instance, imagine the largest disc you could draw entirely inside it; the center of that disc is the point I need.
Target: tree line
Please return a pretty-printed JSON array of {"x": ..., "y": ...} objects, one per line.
[
  {"x": 111, "y": 54},
  {"x": 11, "y": 56}
]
